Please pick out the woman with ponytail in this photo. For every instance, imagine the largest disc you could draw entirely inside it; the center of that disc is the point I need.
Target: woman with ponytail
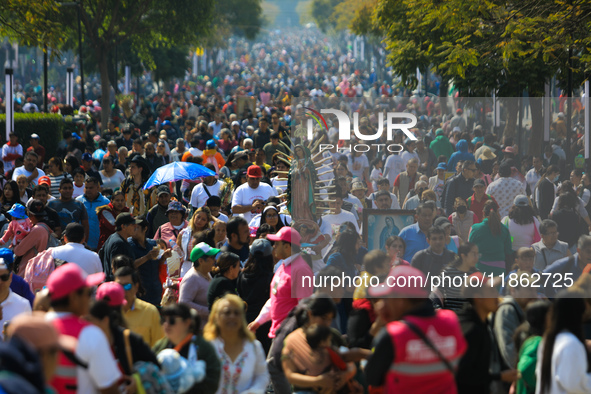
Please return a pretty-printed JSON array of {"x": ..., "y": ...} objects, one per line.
[
  {"x": 563, "y": 363},
  {"x": 224, "y": 275},
  {"x": 493, "y": 241}
]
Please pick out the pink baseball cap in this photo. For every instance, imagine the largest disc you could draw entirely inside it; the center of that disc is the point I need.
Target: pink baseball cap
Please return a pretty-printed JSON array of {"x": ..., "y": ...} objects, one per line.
[
  {"x": 286, "y": 234},
  {"x": 112, "y": 292},
  {"x": 404, "y": 281},
  {"x": 69, "y": 278}
]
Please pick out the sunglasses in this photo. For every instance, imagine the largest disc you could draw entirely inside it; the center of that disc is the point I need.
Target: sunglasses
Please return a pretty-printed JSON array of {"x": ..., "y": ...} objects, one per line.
[{"x": 5, "y": 277}]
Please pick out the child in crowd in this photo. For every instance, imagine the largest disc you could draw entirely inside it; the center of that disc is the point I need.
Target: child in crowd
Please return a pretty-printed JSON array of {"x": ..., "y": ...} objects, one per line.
[
  {"x": 79, "y": 176},
  {"x": 18, "y": 228}
]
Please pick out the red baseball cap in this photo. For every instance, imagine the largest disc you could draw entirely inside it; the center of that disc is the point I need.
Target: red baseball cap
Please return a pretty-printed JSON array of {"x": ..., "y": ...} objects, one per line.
[
  {"x": 254, "y": 172},
  {"x": 44, "y": 180},
  {"x": 112, "y": 292},
  {"x": 69, "y": 278},
  {"x": 286, "y": 234},
  {"x": 403, "y": 280}
]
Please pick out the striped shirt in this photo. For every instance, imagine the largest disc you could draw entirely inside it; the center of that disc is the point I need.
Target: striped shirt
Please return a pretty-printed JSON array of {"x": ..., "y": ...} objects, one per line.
[{"x": 451, "y": 289}]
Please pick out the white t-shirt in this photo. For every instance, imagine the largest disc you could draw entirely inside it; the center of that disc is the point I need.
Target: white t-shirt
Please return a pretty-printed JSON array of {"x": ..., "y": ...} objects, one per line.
[
  {"x": 94, "y": 350},
  {"x": 113, "y": 182},
  {"x": 357, "y": 165},
  {"x": 22, "y": 171},
  {"x": 199, "y": 195},
  {"x": 245, "y": 195},
  {"x": 280, "y": 183},
  {"x": 7, "y": 150},
  {"x": 78, "y": 191},
  {"x": 222, "y": 217},
  {"x": 13, "y": 306},
  {"x": 394, "y": 166},
  {"x": 406, "y": 156},
  {"x": 76, "y": 253}
]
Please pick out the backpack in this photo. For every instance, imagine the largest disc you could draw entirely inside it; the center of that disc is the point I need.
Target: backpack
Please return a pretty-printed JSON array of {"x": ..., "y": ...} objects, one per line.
[
  {"x": 39, "y": 268},
  {"x": 52, "y": 240}
]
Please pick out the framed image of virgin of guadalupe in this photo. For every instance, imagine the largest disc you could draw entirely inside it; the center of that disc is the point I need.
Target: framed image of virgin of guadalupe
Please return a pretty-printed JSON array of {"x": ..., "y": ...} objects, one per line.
[{"x": 380, "y": 224}]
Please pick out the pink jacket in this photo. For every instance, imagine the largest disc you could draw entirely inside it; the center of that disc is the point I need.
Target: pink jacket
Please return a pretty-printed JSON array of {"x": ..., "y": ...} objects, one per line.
[
  {"x": 17, "y": 230},
  {"x": 32, "y": 244}
]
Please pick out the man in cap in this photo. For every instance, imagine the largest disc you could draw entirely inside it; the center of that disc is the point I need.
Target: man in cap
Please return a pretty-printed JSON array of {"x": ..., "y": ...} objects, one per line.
[
  {"x": 141, "y": 316},
  {"x": 157, "y": 214},
  {"x": 70, "y": 292},
  {"x": 92, "y": 199},
  {"x": 18, "y": 285},
  {"x": 37, "y": 148},
  {"x": 249, "y": 198},
  {"x": 403, "y": 359},
  {"x": 75, "y": 252},
  {"x": 459, "y": 185},
  {"x": 87, "y": 166},
  {"x": 359, "y": 190},
  {"x": 29, "y": 169},
  {"x": 116, "y": 244},
  {"x": 437, "y": 181},
  {"x": 11, "y": 304},
  {"x": 11, "y": 151},
  {"x": 291, "y": 282},
  {"x": 192, "y": 290},
  {"x": 478, "y": 199},
  {"x": 68, "y": 209},
  {"x": 209, "y": 187}
]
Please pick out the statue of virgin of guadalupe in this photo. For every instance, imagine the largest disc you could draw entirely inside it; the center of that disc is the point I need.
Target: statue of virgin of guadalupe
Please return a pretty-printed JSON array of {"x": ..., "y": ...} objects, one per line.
[{"x": 301, "y": 185}]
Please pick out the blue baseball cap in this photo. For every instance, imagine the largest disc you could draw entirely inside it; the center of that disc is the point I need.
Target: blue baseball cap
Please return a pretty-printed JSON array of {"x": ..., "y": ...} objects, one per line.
[
  {"x": 7, "y": 255},
  {"x": 86, "y": 157},
  {"x": 210, "y": 144},
  {"x": 441, "y": 166},
  {"x": 18, "y": 211},
  {"x": 75, "y": 135},
  {"x": 166, "y": 123}
]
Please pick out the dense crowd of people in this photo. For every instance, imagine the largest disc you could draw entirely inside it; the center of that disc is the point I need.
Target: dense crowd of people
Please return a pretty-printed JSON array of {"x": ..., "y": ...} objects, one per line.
[{"x": 216, "y": 285}]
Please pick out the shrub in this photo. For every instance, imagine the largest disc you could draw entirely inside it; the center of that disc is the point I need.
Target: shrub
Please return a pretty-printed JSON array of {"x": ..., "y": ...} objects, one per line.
[{"x": 49, "y": 127}]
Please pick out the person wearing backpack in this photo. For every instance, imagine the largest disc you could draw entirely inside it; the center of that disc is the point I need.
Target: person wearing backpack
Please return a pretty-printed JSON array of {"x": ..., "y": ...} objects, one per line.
[
  {"x": 413, "y": 323},
  {"x": 37, "y": 239}
]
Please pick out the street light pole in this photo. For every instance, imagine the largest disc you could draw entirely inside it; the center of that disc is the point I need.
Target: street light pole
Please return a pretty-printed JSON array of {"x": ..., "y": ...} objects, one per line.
[
  {"x": 45, "y": 88},
  {"x": 83, "y": 100}
]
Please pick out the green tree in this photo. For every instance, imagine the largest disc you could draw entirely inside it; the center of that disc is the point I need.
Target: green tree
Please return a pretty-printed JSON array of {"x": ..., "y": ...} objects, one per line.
[
  {"x": 31, "y": 23},
  {"x": 145, "y": 25}
]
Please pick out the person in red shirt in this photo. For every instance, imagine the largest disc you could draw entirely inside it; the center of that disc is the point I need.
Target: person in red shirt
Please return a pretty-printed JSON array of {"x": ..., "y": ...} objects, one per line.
[{"x": 478, "y": 199}]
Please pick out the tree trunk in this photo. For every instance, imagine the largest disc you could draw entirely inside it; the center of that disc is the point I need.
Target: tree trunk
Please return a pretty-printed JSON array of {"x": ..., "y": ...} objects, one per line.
[
  {"x": 511, "y": 121},
  {"x": 443, "y": 88},
  {"x": 537, "y": 126},
  {"x": 105, "y": 89}
]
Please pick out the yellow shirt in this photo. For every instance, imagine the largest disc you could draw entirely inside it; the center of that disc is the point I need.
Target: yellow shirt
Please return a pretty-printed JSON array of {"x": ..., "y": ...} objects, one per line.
[
  {"x": 143, "y": 319},
  {"x": 267, "y": 167}
]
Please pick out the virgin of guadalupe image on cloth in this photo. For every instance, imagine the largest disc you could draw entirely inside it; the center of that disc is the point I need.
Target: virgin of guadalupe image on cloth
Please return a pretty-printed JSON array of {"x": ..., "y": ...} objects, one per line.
[{"x": 301, "y": 185}]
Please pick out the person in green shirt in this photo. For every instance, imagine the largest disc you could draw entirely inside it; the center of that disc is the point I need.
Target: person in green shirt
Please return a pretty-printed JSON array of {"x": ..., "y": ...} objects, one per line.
[
  {"x": 494, "y": 242},
  {"x": 529, "y": 335}
]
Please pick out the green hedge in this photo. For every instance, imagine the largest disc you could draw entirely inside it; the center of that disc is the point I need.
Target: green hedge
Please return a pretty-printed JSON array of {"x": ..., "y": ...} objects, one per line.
[{"x": 48, "y": 126}]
